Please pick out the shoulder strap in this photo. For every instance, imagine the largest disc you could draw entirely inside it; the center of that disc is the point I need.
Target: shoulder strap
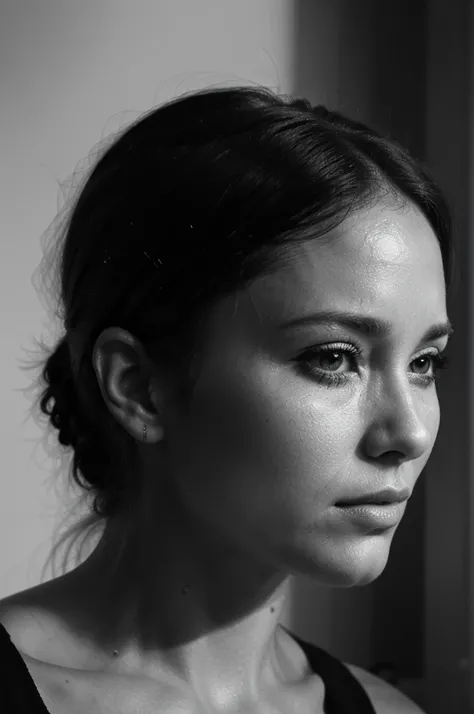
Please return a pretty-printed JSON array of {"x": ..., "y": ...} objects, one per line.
[
  {"x": 18, "y": 692},
  {"x": 344, "y": 693}
]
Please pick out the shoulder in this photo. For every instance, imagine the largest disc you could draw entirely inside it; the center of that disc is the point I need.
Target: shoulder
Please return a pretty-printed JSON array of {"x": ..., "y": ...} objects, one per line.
[
  {"x": 31, "y": 622},
  {"x": 385, "y": 698},
  {"x": 41, "y": 603},
  {"x": 12, "y": 609},
  {"x": 21, "y": 621},
  {"x": 18, "y": 608}
]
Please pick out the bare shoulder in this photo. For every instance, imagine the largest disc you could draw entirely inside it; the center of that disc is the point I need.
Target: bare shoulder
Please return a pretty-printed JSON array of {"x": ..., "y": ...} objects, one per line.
[
  {"x": 385, "y": 698},
  {"x": 14, "y": 610},
  {"x": 16, "y": 607},
  {"x": 29, "y": 619}
]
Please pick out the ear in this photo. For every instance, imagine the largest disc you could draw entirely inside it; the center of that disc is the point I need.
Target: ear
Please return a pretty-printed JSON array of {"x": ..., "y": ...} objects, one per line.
[{"x": 127, "y": 383}]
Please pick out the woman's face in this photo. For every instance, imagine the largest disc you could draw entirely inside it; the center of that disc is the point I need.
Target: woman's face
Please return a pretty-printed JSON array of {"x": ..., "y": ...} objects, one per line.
[{"x": 317, "y": 390}]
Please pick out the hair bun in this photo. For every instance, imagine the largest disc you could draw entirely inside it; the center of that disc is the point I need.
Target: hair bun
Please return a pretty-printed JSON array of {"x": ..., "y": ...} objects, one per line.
[
  {"x": 302, "y": 103},
  {"x": 61, "y": 403},
  {"x": 59, "y": 400},
  {"x": 323, "y": 112}
]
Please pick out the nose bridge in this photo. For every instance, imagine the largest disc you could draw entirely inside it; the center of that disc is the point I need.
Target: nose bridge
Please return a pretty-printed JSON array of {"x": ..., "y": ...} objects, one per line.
[{"x": 401, "y": 406}]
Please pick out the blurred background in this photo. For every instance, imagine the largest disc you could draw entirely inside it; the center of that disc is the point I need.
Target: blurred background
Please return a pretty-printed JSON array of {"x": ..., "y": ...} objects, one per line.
[{"x": 72, "y": 72}]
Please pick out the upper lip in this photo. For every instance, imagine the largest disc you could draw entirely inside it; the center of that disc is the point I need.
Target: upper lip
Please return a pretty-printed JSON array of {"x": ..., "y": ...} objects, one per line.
[{"x": 386, "y": 496}]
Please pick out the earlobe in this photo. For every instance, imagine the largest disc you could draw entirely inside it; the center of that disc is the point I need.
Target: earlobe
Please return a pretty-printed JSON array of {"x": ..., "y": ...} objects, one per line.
[{"x": 152, "y": 433}]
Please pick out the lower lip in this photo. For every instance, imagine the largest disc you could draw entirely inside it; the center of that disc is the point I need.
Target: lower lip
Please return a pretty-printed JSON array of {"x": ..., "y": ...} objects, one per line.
[{"x": 374, "y": 516}]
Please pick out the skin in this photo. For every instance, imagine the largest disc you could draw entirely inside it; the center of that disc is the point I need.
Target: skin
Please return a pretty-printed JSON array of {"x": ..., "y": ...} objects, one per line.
[{"x": 240, "y": 486}]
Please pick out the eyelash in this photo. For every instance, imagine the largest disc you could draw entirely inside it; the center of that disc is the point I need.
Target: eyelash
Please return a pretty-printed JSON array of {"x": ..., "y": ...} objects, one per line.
[{"x": 336, "y": 379}]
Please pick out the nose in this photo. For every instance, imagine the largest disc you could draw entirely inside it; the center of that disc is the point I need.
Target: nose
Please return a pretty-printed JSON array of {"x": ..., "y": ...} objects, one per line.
[{"x": 397, "y": 430}]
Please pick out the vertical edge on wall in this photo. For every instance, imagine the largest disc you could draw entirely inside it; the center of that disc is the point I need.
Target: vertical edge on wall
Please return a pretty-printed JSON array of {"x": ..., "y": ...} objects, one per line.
[
  {"x": 447, "y": 554},
  {"x": 470, "y": 231}
]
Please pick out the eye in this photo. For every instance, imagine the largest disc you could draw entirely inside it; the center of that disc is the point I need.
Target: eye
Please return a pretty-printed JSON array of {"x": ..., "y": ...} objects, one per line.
[
  {"x": 423, "y": 364},
  {"x": 427, "y": 367},
  {"x": 330, "y": 364}
]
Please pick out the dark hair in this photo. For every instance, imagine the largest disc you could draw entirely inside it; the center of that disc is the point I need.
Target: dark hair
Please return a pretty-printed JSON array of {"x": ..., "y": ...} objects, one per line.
[{"x": 190, "y": 203}]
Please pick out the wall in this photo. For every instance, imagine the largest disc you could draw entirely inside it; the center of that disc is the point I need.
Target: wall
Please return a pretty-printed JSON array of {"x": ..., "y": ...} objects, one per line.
[
  {"x": 469, "y": 670},
  {"x": 447, "y": 558}
]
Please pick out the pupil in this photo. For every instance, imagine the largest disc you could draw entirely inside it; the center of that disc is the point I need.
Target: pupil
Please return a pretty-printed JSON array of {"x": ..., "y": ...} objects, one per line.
[
  {"x": 423, "y": 364},
  {"x": 332, "y": 360}
]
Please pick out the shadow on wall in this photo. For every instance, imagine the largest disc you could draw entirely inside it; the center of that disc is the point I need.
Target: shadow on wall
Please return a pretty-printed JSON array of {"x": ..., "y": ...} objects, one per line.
[{"x": 367, "y": 59}]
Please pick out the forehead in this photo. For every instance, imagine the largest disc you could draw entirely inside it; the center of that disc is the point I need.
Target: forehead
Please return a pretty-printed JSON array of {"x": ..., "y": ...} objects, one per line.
[{"x": 385, "y": 261}]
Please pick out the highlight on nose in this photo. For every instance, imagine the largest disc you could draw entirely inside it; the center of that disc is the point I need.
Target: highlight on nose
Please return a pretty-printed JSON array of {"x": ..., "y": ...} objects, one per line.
[{"x": 398, "y": 440}]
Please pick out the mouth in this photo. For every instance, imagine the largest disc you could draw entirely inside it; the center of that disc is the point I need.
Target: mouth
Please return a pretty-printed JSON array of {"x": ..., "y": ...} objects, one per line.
[
  {"x": 374, "y": 513},
  {"x": 386, "y": 497}
]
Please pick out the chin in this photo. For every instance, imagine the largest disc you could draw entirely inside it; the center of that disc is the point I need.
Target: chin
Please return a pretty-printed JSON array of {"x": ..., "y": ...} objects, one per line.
[{"x": 346, "y": 564}]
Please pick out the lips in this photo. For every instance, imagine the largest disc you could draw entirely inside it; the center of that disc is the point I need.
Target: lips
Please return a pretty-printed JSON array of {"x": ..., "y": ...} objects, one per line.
[{"x": 386, "y": 497}]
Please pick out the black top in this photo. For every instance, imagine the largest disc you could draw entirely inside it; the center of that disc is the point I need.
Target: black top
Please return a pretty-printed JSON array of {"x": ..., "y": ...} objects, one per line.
[{"x": 344, "y": 693}]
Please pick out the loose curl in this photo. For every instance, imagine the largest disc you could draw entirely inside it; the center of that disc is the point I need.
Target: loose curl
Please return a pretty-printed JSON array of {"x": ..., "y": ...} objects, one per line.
[
  {"x": 191, "y": 203},
  {"x": 61, "y": 402}
]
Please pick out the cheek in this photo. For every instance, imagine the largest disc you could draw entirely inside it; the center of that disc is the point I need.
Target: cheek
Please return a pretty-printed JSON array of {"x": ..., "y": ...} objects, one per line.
[
  {"x": 264, "y": 448},
  {"x": 435, "y": 419},
  {"x": 432, "y": 423}
]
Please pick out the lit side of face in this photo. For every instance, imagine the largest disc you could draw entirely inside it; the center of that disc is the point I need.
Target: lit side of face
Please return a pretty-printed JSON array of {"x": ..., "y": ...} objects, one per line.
[{"x": 295, "y": 413}]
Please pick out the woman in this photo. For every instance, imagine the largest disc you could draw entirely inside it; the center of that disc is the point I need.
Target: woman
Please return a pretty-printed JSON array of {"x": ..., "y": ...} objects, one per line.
[{"x": 253, "y": 296}]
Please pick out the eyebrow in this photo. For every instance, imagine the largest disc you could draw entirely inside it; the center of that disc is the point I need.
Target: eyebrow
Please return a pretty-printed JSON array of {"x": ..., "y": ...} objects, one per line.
[{"x": 370, "y": 326}]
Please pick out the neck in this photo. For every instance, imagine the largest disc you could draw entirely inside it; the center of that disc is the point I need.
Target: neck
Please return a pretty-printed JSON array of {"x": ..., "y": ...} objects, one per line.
[{"x": 176, "y": 598}]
